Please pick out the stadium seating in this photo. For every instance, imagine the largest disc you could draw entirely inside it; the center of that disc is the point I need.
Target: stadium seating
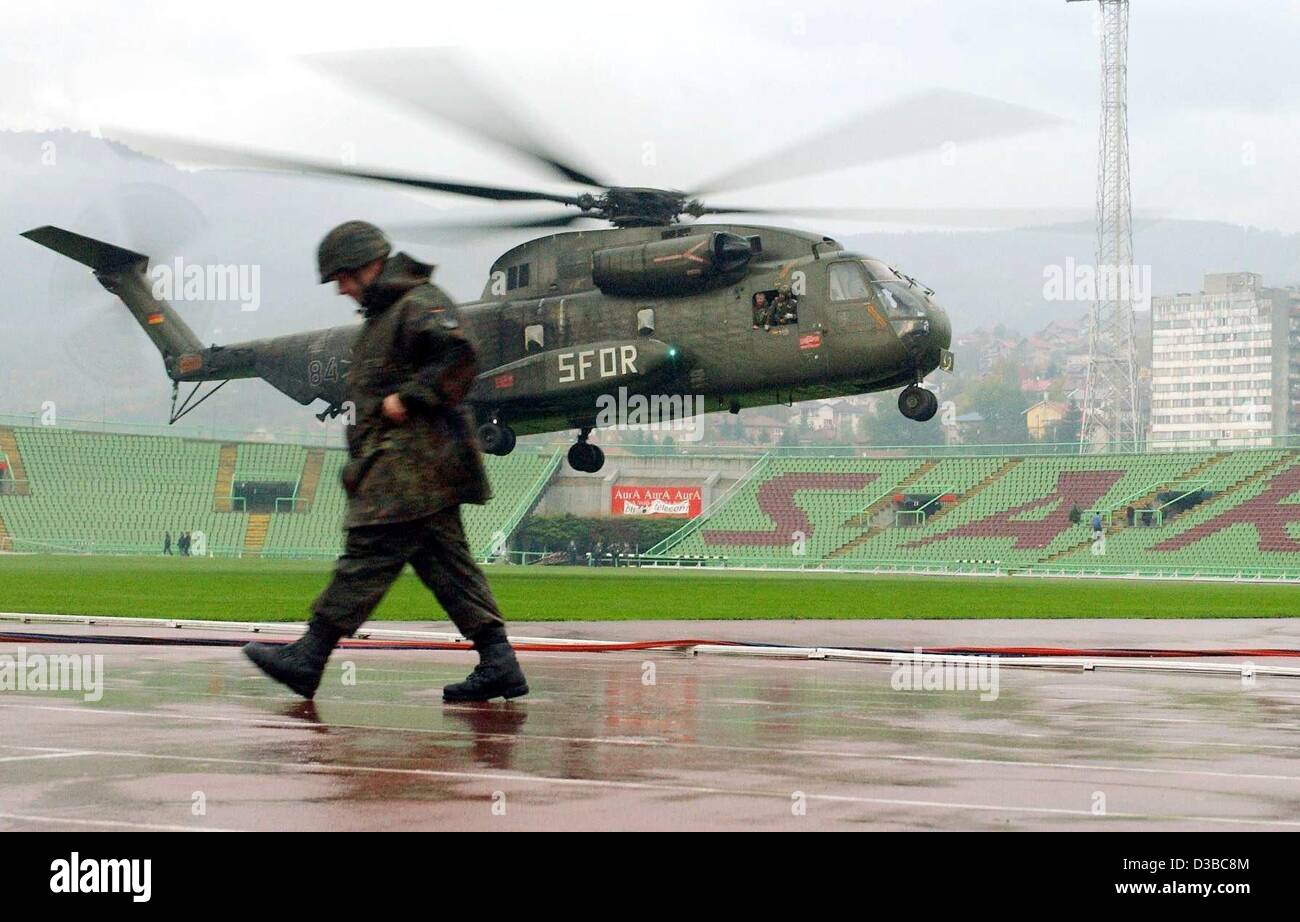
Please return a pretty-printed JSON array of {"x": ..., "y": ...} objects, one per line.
[
  {"x": 517, "y": 481},
  {"x": 1011, "y": 514},
  {"x": 269, "y": 461},
  {"x": 1246, "y": 528},
  {"x": 796, "y": 509},
  {"x": 112, "y": 493},
  {"x": 1024, "y": 517}
]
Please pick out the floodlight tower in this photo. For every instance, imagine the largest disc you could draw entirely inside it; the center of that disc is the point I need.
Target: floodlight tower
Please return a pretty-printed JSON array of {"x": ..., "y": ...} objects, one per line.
[{"x": 1110, "y": 403}]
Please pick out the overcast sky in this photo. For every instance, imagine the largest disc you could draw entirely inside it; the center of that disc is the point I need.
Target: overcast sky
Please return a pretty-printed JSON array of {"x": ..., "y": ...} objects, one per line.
[{"x": 670, "y": 93}]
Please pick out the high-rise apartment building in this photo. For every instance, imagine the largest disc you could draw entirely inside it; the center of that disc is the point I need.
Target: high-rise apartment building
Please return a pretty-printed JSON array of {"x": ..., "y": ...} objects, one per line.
[{"x": 1225, "y": 367}]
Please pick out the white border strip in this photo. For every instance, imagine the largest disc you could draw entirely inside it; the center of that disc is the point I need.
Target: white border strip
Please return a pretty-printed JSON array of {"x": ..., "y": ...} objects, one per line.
[{"x": 1072, "y": 663}]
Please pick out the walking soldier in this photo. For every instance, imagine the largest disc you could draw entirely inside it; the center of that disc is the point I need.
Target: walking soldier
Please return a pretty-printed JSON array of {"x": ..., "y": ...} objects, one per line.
[{"x": 413, "y": 459}]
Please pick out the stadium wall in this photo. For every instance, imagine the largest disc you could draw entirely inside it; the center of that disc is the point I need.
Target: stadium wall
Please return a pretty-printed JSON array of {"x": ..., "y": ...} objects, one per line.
[{"x": 576, "y": 493}]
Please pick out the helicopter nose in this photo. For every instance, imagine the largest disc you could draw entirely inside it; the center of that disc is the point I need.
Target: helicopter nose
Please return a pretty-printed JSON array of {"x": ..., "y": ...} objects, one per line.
[
  {"x": 940, "y": 326},
  {"x": 927, "y": 337}
]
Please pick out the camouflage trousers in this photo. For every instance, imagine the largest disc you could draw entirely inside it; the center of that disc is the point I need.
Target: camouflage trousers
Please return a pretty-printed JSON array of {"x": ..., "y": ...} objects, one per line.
[{"x": 435, "y": 547}]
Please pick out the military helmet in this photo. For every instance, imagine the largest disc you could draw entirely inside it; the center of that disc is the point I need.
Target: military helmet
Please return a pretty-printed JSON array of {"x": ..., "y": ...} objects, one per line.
[{"x": 351, "y": 245}]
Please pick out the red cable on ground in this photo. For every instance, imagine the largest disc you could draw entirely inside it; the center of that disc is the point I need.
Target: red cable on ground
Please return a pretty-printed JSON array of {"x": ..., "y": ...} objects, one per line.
[{"x": 534, "y": 647}]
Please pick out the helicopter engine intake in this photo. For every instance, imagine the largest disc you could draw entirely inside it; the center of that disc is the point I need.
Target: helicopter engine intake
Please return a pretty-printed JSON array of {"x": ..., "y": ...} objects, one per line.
[{"x": 677, "y": 265}]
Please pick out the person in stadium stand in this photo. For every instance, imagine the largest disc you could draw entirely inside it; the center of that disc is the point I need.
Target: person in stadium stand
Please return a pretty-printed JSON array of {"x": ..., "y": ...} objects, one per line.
[
  {"x": 167, "y": 543},
  {"x": 413, "y": 460}
]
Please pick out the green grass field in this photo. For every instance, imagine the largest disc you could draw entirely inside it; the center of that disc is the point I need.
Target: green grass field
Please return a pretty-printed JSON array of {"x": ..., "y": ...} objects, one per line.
[{"x": 272, "y": 590}]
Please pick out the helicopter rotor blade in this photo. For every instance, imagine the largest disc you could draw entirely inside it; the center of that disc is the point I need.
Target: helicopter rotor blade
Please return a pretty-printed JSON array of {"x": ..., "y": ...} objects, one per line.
[
  {"x": 438, "y": 232},
  {"x": 439, "y": 82},
  {"x": 945, "y": 217},
  {"x": 178, "y": 149},
  {"x": 1066, "y": 219},
  {"x": 910, "y": 125}
]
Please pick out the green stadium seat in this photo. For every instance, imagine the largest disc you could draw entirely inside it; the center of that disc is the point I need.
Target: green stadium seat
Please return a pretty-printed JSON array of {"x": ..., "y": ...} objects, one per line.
[{"x": 118, "y": 494}]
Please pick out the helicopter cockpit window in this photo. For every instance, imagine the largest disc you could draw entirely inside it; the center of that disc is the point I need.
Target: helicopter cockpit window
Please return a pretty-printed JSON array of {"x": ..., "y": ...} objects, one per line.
[
  {"x": 775, "y": 307},
  {"x": 534, "y": 338},
  {"x": 517, "y": 277},
  {"x": 848, "y": 282},
  {"x": 645, "y": 321}
]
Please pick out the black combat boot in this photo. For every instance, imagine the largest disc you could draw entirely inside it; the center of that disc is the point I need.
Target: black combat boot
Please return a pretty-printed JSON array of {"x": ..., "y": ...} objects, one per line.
[
  {"x": 301, "y": 663},
  {"x": 497, "y": 674}
]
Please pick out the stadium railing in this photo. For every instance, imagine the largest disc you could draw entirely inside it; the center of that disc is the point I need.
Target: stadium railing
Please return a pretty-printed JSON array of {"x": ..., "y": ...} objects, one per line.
[
  {"x": 980, "y": 568},
  {"x": 330, "y": 436}
]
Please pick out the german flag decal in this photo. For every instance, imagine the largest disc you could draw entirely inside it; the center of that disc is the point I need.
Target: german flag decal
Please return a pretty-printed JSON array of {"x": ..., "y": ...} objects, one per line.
[
  {"x": 155, "y": 319},
  {"x": 810, "y": 341}
]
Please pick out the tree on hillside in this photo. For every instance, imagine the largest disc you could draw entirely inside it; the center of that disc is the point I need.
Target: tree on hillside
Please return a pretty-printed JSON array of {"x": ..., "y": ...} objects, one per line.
[{"x": 1000, "y": 401}]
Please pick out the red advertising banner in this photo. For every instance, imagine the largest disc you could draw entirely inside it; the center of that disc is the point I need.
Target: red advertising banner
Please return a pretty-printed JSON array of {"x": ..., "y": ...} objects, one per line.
[{"x": 666, "y": 502}]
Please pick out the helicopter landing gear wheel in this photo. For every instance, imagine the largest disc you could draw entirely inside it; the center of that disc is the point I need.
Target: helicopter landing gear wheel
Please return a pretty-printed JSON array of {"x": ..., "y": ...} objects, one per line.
[
  {"x": 917, "y": 403},
  {"x": 496, "y": 439},
  {"x": 585, "y": 457}
]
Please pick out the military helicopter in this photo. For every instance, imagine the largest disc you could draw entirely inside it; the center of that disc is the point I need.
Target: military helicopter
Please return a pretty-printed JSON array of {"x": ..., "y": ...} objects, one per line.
[{"x": 684, "y": 316}]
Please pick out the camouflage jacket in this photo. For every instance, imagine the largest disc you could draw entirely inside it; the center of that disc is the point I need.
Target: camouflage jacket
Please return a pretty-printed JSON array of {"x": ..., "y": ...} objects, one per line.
[{"x": 411, "y": 345}]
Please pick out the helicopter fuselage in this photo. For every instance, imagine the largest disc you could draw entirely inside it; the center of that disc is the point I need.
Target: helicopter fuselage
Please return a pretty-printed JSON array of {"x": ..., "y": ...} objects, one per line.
[{"x": 554, "y": 347}]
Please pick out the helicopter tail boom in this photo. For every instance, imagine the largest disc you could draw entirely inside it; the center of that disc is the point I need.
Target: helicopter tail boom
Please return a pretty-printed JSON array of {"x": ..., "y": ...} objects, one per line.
[{"x": 122, "y": 272}]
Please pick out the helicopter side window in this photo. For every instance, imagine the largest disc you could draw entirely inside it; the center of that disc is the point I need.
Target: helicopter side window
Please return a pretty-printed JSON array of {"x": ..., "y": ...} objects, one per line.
[
  {"x": 517, "y": 277},
  {"x": 645, "y": 321},
  {"x": 847, "y": 282},
  {"x": 534, "y": 338},
  {"x": 775, "y": 307}
]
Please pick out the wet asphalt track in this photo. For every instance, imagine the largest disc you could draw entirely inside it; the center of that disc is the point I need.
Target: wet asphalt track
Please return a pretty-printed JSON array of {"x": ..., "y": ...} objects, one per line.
[{"x": 196, "y": 739}]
